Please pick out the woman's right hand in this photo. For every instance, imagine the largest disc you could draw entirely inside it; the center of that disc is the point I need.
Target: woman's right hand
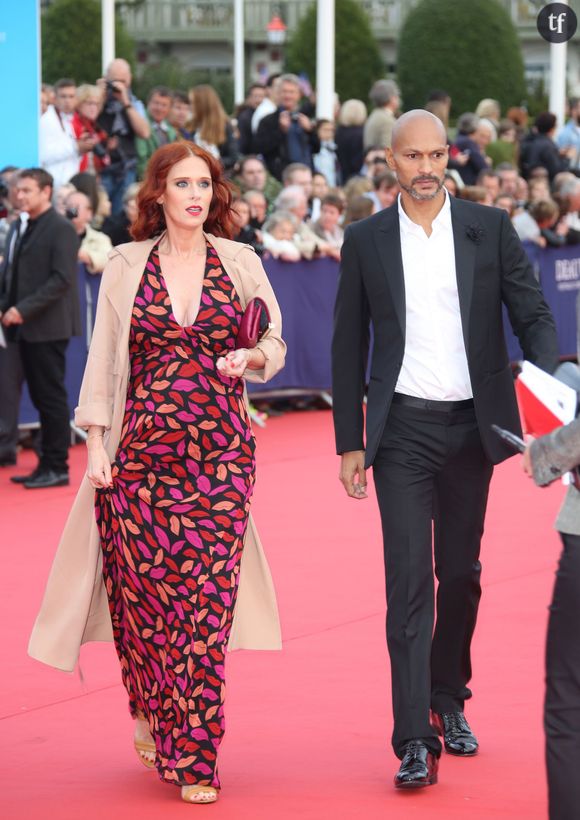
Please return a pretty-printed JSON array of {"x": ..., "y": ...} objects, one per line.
[{"x": 99, "y": 465}]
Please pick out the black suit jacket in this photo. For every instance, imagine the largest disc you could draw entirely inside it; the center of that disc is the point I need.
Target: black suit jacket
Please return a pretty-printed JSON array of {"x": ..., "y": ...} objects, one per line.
[
  {"x": 491, "y": 267},
  {"x": 47, "y": 288}
]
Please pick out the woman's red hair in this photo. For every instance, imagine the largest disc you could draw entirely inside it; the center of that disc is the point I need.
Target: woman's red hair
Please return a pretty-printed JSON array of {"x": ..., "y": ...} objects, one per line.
[{"x": 150, "y": 220}]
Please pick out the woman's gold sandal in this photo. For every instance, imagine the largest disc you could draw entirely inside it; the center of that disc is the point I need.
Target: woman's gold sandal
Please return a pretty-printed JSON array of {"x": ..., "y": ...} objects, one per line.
[
  {"x": 199, "y": 794},
  {"x": 146, "y": 752}
]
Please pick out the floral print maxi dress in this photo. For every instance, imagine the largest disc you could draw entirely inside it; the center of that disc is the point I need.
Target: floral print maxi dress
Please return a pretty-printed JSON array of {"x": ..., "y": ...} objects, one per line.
[{"x": 173, "y": 524}]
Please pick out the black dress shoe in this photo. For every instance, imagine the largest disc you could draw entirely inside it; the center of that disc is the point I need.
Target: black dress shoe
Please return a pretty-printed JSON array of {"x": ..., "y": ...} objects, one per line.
[
  {"x": 47, "y": 478},
  {"x": 20, "y": 479},
  {"x": 457, "y": 735},
  {"x": 418, "y": 767}
]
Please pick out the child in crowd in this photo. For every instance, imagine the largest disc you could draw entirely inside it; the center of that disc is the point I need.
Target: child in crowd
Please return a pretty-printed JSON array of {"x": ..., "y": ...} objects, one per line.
[
  {"x": 278, "y": 237},
  {"x": 539, "y": 224}
]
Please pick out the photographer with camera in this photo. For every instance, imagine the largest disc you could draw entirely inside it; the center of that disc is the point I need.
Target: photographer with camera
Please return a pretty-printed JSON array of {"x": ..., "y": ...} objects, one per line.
[
  {"x": 123, "y": 119},
  {"x": 84, "y": 123},
  {"x": 287, "y": 135},
  {"x": 95, "y": 246}
]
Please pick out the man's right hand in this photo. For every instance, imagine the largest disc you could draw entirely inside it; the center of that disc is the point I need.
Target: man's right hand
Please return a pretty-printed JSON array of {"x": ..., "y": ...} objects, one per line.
[
  {"x": 284, "y": 121},
  {"x": 352, "y": 474}
]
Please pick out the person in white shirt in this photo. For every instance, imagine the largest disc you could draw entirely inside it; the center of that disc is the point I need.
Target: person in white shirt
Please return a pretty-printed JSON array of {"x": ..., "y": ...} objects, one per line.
[
  {"x": 430, "y": 273},
  {"x": 270, "y": 102},
  {"x": 60, "y": 151}
]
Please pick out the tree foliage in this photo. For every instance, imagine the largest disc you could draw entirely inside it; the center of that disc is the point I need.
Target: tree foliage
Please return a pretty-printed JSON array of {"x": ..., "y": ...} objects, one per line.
[
  {"x": 358, "y": 57},
  {"x": 171, "y": 73},
  {"x": 471, "y": 50},
  {"x": 71, "y": 41}
]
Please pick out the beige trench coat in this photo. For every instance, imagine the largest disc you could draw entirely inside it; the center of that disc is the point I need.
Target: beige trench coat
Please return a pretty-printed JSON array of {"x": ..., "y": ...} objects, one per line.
[{"x": 75, "y": 608}]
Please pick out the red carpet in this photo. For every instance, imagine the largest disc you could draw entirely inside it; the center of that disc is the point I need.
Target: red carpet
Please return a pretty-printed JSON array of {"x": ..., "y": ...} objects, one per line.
[{"x": 308, "y": 728}]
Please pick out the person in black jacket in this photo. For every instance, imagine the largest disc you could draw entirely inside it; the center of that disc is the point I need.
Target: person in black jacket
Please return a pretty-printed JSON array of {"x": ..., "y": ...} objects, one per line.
[
  {"x": 349, "y": 138},
  {"x": 538, "y": 149},
  {"x": 287, "y": 135},
  {"x": 466, "y": 145},
  {"x": 39, "y": 309},
  {"x": 430, "y": 273}
]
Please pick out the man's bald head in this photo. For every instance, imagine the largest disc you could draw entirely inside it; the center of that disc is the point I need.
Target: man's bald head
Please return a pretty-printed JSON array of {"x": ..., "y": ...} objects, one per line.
[
  {"x": 419, "y": 154},
  {"x": 413, "y": 122},
  {"x": 119, "y": 71}
]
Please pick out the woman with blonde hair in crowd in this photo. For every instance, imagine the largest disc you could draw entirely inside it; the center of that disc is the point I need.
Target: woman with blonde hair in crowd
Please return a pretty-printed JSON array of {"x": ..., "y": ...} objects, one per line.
[
  {"x": 84, "y": 123},
  {"x": 161, "y": 520},
  {"x": 211, "y": 127},
  {"x": 349, "y": 138},
  {"x": 357, "y": 208},
  {"x": 489, "y": 111}
]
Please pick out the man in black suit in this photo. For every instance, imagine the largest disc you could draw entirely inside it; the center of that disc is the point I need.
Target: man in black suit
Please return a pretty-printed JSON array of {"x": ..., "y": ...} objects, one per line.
[
  {"x": 430, "y": 273},
  {"x": 39, "y": 310}
]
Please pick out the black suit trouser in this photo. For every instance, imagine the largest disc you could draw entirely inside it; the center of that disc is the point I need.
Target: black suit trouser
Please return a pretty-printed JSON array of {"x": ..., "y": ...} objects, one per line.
[
  {"x": 44, "y": 369},
  {"x": 432, "y": 479},
  {"x": 562, "y": 705},
  {"x": 11, "y": 379}
]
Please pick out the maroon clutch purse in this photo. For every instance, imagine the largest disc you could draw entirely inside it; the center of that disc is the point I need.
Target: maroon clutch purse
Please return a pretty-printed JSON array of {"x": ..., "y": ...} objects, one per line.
[{"x": 255, "y": 322}]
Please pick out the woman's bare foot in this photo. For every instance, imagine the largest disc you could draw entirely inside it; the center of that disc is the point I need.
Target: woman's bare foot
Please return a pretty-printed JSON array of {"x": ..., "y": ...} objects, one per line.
[
  {"x": 199, "y": 794},
  {"x": 144, "y": 743}
]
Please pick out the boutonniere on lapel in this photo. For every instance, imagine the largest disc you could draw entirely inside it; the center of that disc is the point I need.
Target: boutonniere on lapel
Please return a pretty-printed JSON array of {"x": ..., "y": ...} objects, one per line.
[{"x": 475, "y": 233}]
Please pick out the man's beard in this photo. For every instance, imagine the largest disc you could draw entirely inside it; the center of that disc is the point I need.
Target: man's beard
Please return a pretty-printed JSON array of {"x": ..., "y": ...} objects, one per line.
[{"x": 422, "y": 197}]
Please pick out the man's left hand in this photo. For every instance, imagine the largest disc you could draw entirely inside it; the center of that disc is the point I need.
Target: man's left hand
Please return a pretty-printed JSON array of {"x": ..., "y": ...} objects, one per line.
[{"x": 12, "y": 317}]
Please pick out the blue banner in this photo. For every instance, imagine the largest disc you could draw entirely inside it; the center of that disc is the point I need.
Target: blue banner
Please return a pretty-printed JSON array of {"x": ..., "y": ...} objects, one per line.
[
  {"x": 558, "y": 270},
  {"x": 20, "y": 72}
]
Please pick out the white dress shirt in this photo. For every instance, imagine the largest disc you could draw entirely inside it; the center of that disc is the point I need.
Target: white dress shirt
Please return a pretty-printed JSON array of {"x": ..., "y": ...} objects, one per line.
[
  {"x": 435, "y": 362},
  {"x": 59, "y": 154}
]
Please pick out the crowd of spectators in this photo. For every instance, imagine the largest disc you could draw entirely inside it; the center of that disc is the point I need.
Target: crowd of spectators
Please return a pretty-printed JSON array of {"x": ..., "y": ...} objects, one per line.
[{"x": 298, "y": 182}]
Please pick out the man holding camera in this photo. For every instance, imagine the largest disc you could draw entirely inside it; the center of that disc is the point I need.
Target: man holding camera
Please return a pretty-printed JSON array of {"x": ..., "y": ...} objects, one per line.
[
  {"x": 123, "y": 118},
  {"x": 287, "y": 135}
]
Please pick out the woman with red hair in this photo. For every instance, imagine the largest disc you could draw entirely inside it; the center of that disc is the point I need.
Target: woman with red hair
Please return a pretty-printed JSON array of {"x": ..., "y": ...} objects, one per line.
[{"x": 171, "y": 466}]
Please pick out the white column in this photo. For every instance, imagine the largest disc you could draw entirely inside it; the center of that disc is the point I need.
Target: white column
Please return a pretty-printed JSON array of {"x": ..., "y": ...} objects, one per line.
[
  {"x": 239, "y": 81},
  {"x": 325, "y": 60},
  {"x": 108, "y": 32},
  {"x": 558, "y": 79}
]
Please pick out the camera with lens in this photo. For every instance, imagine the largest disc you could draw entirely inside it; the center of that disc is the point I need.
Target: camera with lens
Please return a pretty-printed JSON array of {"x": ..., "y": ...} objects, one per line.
[
  {"x": 99, "y": 150},
  {"x": 111, "y": 87},
  {"x": 71, "y": 213},
  {"x": 295, "y": 116}
]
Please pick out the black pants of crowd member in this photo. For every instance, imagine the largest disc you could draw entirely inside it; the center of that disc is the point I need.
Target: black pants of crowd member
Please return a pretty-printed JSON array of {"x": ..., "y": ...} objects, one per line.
[
  {"x": 11, "y": 378},
  {"x": 44, "y": 371},
  {"x": 432, "y": 479},
  {"x": 562, "y": 705}
]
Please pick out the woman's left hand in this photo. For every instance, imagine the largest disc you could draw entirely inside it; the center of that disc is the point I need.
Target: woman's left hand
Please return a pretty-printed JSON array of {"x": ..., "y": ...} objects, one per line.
[{"x": 234, "y": 363}]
